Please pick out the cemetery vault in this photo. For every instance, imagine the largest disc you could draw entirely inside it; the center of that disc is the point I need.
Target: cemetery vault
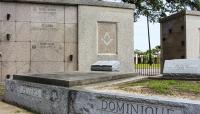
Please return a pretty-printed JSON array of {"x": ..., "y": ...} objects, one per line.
[
  {"x": 180, "y": 36},
  {"x": 40, "y": 36}
]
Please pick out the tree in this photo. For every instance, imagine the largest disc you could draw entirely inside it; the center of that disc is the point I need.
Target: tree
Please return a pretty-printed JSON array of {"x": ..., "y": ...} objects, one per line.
[
  {"x": 139, "y": 52},
  {"x": 156, "y": 9},
  {"x": 156, "y": 50}
]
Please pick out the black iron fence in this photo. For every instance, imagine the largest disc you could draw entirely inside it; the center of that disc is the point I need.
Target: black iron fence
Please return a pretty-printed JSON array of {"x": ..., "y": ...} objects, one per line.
[{"x": 144, "y": 67}]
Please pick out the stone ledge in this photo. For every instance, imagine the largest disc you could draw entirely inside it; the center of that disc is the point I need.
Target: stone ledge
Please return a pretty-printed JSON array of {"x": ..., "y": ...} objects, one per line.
[
  {"x": 180, "y": 14},
  {"x": 113, "y": 103},
  {"x": 73, "y": 78},
  {"x": 181, "y": 76},
  {"x": 78, "y": 2}
]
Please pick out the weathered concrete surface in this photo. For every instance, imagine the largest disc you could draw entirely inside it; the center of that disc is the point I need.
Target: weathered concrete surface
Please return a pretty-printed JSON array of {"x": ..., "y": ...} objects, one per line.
[
  {"x": 126, "y": 102},
  {"x": 180, "y": 37},
  {"x": 173, "y": 39},
  {"x": 37, "y": 97},
  {"x": 71, "y": 14},
  {"x": 44, "y": 35},
  {"x": 7, "y": 108},
  {"x": 71, "y": 49},
  {"x": 6, "y": 8},
  {"x": 78, "y": 2},
  {"x": 47, "y": 52},
  {"x": 5, "y": 28},
  {"x": 182, "y": 69},
  {"x": 13, "y": 68},
  {"x": 73, "y": 78},
  {"x": 182, "y": 13},
  {"x": 47, "y": 32},
  {"x": 105, "y": 103},
  {"x": 9, "y": 49},
  {"x": 107, "y": 38},
  {"x": 182, "y": 66},
  {"x": 46, "y": 67},
  {"x": 193, "y": 34},
  {"x": 50, "y": 99},
  {"x": 1, "y": 77},
  {"x": 89, "y": 19},
  {"x": 37, "y": 40}
]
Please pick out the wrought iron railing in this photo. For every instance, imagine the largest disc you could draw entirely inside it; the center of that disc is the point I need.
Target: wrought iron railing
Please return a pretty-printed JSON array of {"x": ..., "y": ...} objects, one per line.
[{"x": 144, "y": 67}]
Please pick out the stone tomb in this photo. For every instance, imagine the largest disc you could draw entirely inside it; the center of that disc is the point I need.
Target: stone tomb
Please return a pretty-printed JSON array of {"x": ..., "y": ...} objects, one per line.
[
  {"x": 105, "y": 103},
  {"x": 39, "y": 36},
  {"x": 55, "y": 98},
  {"x": 182, "y": 69},
  {"x": 71, "y": 79},
  {"x": 49, "y": 93},
  {"x": 180, "y": 36},
  {"x": 40, "y": 98}
]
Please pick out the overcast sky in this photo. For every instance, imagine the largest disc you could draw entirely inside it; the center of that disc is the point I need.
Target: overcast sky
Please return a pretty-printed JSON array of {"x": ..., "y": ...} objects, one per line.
[{"x": 141, "y": 34}]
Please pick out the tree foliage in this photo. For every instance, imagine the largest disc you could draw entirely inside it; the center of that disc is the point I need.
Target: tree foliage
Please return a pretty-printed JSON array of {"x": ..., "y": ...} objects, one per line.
[
  {"x": 139, "y": 52},
  {"x": 155, "y": 51},
  {"x": 156, "y": 9}
]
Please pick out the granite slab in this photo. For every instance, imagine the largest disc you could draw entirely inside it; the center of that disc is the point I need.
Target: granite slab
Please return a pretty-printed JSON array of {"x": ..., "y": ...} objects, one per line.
[
  {"x": 86, "y": 102},
  {"x": 39, "y": 98},
  {"x": 52, "y": 99},
  {"x": 73, "y": 78},
  {"x": 182, "y": 68}
]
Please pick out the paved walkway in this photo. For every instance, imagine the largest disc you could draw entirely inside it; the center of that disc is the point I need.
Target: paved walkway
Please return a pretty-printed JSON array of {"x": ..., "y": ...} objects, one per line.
[{"x": 10, "y": 109}]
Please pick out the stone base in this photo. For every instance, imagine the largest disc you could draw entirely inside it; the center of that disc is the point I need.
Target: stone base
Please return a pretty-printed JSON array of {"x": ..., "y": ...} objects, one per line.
[
  {"x": 182, "y": 76},
  {"x": 44, "y": 99},
  {"x": 73, "y": 78},
  {"x": 83, "y": 102},
  {"x": 53, "y": 99}
]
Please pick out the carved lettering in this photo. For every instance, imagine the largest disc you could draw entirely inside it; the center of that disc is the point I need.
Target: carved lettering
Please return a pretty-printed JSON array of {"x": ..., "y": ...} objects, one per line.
[
  {"x": 156, "y": 111},
  {"x": 149, "y": 110},
  {"x": 182, "y": 66},
  {"x": 134, "y": 108},
  {"x": 142, "y": 109},
  {"x": 169, "y": 111},
  {"x": 107, "y": 38},
  {"x": 47, "y": 45},
  {"x": 30, "y": 91},
  {"x": 120, "y": 107},
  {"x": 104, "y": 105},
  {"x": 44, "y": 27},
  {"x": 111, "y": 106},
  {"x": 45, "y": 10}
]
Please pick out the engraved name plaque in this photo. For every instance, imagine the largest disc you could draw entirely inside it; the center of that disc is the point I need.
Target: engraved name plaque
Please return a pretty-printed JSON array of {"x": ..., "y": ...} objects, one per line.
[{"x": 30, "y": 91}]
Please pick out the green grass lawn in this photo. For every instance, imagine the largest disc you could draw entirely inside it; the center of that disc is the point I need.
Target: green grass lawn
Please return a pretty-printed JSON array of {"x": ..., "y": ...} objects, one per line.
[
  {"x": 146, "y": 66},
  {"x": 2, "y": 89},
  {"x": 169, "y": 87}
]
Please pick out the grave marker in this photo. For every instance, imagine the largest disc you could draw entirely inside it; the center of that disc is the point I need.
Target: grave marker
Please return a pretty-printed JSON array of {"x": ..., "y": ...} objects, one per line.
[{"x": 182, "y": 68}]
